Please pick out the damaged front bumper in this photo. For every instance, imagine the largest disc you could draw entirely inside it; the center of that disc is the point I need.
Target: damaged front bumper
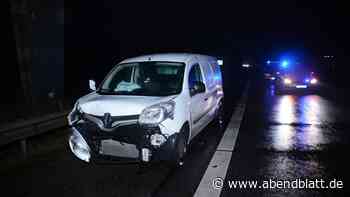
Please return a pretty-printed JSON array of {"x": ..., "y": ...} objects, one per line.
[{"x": 126, "y": 143}]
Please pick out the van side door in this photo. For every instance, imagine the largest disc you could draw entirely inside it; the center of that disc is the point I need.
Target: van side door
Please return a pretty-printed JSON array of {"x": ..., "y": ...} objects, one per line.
[{"x": 197, "y": 98}]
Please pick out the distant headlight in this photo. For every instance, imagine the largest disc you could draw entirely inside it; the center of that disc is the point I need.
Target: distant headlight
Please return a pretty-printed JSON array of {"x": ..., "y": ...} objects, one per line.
[
  {"x": 313, "y": 81},
  {"x": 156, "y": 114},
  {"x": 287, "y": 81}
]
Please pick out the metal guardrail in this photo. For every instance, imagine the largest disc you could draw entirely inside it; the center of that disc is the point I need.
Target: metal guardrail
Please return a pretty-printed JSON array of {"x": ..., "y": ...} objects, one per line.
[{"x": 20, "y": 131}]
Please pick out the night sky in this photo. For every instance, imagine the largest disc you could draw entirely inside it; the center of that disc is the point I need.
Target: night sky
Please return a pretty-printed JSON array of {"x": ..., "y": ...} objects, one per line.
[{"x": 100, "y": 33}]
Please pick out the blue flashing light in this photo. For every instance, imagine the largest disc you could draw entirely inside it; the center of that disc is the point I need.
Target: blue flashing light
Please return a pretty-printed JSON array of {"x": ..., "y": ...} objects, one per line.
[
  {"x": 285, "y": 64},
  {"x": 217, "y": 77},
  {"x": 268, "y": 62}
]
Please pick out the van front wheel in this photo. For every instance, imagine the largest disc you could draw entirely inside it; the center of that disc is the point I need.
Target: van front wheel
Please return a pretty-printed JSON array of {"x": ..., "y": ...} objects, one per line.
[{"x": 179, "y": 151}]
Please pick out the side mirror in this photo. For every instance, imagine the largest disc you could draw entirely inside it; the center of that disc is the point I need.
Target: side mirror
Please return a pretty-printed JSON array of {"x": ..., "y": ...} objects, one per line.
[
  {"x": 198, "y": 87},
  {"x": 92, "y": 85}
]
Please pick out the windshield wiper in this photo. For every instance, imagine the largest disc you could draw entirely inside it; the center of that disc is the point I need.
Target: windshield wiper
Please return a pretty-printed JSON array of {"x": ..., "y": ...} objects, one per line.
[
  {"x": 111, "y": 92},
  {"x": 124, "y": 93},
  {"x": 105, "y": 91}
]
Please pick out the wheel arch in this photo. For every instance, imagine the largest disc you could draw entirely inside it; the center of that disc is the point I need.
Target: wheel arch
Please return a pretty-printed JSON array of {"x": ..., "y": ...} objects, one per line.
[{"x": 186, "y": 131}]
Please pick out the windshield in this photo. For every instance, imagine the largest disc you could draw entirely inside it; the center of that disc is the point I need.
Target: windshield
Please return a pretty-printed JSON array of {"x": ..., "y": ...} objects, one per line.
[{"x": 144, "y": 79}]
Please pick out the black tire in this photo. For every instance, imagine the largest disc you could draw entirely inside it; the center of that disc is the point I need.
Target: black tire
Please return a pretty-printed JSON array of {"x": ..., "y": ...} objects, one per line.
[{"x": 180, "y": 150}]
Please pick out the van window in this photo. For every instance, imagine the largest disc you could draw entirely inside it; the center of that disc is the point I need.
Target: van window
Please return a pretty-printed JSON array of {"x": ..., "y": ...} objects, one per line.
[
  {"x": 195, "y": 75},
  {"x": 217, "y": 72},
  {"x": 209, "y": 74},
  {"x": 144, "y": 79}
]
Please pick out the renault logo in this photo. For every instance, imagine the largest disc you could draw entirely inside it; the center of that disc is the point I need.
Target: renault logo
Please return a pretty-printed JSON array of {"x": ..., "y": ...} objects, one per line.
[{"x": 107, "y": 120}]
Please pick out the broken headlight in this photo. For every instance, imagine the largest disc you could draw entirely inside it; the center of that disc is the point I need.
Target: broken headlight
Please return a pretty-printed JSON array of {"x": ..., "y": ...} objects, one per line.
[
  {"x": 157, "y": 139},
  {"x": 79, "y": 146}
]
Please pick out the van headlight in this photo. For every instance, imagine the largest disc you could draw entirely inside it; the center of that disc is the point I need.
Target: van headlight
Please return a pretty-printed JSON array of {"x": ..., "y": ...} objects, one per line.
[
  {"x": 156, "y": 114},
  {"x": 79, "y": 146},
  {"x": 313, "y": 81},
  {"x": 287, "y": 81}
]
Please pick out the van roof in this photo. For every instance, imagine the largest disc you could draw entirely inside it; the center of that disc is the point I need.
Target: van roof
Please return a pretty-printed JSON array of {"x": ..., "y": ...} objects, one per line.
[{"x": 176, "y": 57}]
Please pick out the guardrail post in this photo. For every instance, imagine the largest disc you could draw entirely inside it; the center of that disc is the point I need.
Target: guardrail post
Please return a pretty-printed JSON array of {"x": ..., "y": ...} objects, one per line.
[{"x": 24, "y": 148}]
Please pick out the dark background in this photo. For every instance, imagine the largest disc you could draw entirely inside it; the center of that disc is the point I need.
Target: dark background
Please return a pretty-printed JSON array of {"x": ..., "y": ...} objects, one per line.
[{"x": 99, "y": 34}]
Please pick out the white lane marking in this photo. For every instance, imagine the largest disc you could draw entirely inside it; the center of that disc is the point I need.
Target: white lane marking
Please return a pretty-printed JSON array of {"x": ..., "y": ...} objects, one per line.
[
  {"x": 221, "y": 159},
  {"x": 228, "y": 140}
]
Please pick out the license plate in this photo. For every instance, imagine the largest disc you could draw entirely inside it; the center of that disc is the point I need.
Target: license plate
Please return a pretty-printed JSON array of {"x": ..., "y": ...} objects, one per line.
[
  {"x": 301, "y": 86},
  {"x": 115, "y": 148}
]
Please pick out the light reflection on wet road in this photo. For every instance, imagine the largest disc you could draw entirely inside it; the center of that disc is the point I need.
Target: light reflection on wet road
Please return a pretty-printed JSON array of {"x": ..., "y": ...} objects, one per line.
[
  {"x": 301, "y": 130},
  {"x": 300, "y": 122}
]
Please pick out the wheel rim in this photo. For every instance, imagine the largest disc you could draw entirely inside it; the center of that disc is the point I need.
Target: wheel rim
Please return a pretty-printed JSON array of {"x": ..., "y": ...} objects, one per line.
[{"x": 184, "y": 149}]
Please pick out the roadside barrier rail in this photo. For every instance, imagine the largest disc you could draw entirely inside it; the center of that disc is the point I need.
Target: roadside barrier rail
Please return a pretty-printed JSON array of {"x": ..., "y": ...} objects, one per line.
[{"x": 21, "y": 131}]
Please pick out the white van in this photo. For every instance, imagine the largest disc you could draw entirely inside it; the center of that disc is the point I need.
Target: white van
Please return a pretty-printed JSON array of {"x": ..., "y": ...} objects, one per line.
[{"x": 147, "y": 108}]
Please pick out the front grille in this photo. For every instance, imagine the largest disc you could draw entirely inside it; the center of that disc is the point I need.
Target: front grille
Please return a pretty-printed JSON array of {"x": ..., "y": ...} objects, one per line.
[
  {"x": 119, "y": 118},
  {"x": 131, "y": 134},
  {"x": 112, "y": 122}
]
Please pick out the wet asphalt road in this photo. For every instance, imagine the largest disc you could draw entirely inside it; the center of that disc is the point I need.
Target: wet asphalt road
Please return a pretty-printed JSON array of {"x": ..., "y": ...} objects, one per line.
[
  {"x": 282, "y": 137},
  {"x": 292, "y": 136}
]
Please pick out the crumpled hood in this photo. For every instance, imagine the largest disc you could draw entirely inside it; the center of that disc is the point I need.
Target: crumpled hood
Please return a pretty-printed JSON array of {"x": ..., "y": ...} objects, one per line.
[{"x": 117, "y": 105}]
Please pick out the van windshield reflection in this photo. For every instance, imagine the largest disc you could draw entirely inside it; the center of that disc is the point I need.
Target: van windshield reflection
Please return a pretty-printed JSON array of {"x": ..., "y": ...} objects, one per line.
[{"x": 144, "y": 79}]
